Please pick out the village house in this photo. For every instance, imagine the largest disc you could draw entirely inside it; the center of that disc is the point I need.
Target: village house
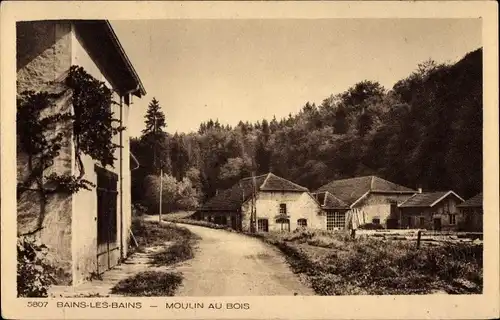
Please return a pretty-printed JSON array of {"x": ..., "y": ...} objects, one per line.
[
  {"x": 86, "y": 232},
  {"x": 369, "y": 200},
  {"x": 432, "y": 211},
  {"x": 472, "y": 212},
  {"x": 276, "y": 203},
  {"x": 336, "y": 209}
]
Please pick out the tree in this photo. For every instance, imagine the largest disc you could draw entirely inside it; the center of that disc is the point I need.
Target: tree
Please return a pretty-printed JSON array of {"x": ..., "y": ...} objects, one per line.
[
  {"x": 154, "y": 138},
  {"x": 155, "y": 118}
]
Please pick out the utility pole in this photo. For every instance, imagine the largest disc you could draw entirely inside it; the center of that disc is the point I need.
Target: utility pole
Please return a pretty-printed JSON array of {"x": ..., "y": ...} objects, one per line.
[
  {"x": 161, "y": 169},
  {"x": 253, "y": 213}
]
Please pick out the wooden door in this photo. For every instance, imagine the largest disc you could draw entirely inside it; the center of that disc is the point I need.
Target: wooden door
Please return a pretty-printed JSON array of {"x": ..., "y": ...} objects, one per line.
[
  {"x": 437, "y": 224},
  {"x": 108, "y": 250}
]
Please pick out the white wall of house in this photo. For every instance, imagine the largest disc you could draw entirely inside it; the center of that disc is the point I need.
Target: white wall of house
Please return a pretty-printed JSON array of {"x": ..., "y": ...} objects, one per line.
[
  {"x": 300, "y": 205},
  {"x": 378, "y": 206},
  {"x": 85, "y": 202}
]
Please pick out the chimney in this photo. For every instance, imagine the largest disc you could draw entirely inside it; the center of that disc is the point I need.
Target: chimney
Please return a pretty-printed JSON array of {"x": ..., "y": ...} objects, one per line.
[{"x": 419, "y": 190}]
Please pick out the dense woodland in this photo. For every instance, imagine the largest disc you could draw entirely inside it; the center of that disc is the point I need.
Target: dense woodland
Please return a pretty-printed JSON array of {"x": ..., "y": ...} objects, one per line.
[{"x": 425, "y": 132}]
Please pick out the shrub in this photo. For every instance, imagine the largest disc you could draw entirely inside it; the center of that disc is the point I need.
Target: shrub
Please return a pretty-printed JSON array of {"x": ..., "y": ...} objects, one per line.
[
  {"x": 149, "y": 284},
  {"x": 201, "y": 223},
  {"x": 177, "y": 252},
  {"x": 34, "y": 274},
  {"x": 371, "y": 226}
]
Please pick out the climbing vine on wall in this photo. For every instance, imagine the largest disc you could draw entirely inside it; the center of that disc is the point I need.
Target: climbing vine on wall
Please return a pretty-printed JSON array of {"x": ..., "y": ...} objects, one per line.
[{"x": 41, "y": 134}]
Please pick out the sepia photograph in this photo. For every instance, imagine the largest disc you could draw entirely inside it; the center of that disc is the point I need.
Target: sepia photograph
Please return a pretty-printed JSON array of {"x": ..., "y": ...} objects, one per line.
[{"x": 248, "y": 157}]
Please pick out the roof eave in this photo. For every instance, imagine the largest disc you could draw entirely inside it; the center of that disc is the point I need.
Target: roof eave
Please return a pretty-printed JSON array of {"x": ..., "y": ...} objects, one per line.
[{"x": 139, "y": 90}]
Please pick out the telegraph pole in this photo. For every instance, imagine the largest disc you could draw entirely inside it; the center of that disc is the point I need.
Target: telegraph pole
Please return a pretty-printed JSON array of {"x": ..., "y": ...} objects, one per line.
[{"x": 161, "y": 169}]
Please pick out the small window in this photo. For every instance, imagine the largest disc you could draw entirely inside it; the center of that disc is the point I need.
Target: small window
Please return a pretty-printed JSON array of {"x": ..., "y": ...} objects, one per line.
[
  {"x": 452, "y": 218},
  {"x": 376, "y": 220},
  {"x": 421, "y": 221},
  {"x": 282, "y": 208},
  {"x": 262, "y": 225},
  {"x": 446, "y": 206},
  {"x": 302, "y": 223}
]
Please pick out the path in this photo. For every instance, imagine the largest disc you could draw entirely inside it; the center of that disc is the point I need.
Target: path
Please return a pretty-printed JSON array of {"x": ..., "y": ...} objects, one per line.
[
  {"x": 231, "y": 264},
  {"x": 137, "y": 262}
]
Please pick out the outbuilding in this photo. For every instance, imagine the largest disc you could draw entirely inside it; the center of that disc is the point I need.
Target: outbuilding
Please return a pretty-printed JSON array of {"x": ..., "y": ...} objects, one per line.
[{"x": 268, "y": 202}]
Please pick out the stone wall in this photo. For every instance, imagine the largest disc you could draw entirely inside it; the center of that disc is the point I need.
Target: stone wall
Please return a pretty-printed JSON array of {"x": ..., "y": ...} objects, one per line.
[
  {"x": 300, "y": 205},
  {"x": 43, "y": 58},
  {"x": 45, "y": 52},
  {"x": 429, "y": 214},
  {"x": 378, "y": 206}
]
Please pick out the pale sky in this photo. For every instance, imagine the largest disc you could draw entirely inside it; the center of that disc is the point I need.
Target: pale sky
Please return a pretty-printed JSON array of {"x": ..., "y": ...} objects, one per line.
[{"x": 235, "y": 70}]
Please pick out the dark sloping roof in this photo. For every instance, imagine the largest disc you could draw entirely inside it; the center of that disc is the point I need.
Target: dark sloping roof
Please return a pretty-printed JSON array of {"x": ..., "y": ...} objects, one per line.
[
  {"x": 427, "y": 199},
  {"x": 329, "y": 201},
  {"x": 232, "y": 198},
  {"x": 350, "y": 190},
  {"x": 474, "y": 202},
  {"x": 275, "y": 183},
  {"x": 106, "y": 50}
]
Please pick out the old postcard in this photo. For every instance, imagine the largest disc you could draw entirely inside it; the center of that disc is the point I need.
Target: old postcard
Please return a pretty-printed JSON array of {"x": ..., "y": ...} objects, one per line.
[{"x": 256, "y": 160}]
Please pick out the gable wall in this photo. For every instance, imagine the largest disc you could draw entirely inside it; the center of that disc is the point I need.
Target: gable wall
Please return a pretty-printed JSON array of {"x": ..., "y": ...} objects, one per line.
[
  {"x": 436, "y": 212},
  {"x": 299, "y": 205},
  {"x": 378, "y": 205},
  {"x": 43, "y": 57}
]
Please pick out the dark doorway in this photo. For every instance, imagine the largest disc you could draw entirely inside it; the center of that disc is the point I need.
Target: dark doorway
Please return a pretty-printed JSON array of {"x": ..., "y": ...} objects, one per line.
[
  {"x": 107, "y": 229},
  {"x": 262, "y": 225},
  {"x": 437, "y": 224},
  {"x": 234, "y": 222},
  {"x": 392, "y": 223}
]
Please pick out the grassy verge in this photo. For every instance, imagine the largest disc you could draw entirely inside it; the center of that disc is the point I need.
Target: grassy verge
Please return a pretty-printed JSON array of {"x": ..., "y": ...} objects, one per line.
[
  {"x": 149, "y": 284},
  {"x": 178, "y": 245},
  {"x": 194, "y": 222},
  {"x": 151, "y": 233},
  {"x": 334, "y": 264}
]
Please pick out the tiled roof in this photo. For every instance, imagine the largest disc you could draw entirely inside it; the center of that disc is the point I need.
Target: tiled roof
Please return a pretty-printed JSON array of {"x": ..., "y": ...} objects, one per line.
[
  {"x": 329, "y": 201},
  {"x": 232, "y": 198},
  {"x": 350, "y": 190},
  {"x": 427, "y": 199},
  {"x": 474, "y": 202}
]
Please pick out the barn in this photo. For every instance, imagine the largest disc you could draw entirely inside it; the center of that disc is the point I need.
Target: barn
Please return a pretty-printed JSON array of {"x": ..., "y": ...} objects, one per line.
[
  {"x": 432, "y": 210},
  {"x": 370, "y": 199},
  {"x": 265, "y": 202},
  {"x": 472, "y": 212}
]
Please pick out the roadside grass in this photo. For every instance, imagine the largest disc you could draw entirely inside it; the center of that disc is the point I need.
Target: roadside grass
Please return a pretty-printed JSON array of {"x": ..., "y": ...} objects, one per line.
[
  {"x": 201, "y": 223},
  {"x": 177, "y": 245},
  {"x": 151, "y": 233},
  {"x": 335, "y": 264},
  {"x": 177, "y": 252},
  {"x": 149, "y": 284}
]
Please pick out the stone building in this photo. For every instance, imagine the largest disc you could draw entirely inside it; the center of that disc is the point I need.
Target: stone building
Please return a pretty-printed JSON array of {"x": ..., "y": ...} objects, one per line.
[
  {"x": 432, "y": 211},
  {"x": 472, "y": 212},
  {"x": 336, "y": 210},
  {"x": 86, "y": 232},
  {"x": 369, "y": 200},
  {"x": 277, "y": 205}
]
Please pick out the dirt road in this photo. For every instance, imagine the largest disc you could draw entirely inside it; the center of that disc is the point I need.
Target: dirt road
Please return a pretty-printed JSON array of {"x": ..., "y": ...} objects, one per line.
[{"x": 231, "y": 264}]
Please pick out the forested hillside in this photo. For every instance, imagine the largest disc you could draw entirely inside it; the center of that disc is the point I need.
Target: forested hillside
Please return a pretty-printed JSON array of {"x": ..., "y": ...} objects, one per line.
[{"x": 425, "y": 132}]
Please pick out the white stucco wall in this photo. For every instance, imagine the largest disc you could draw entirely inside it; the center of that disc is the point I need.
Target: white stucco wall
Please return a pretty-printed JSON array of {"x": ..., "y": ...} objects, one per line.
[
  {"x": 378, "y": 206},
  {"x": 300, "y": 205},
  {"x": 85, "y": 202}
]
